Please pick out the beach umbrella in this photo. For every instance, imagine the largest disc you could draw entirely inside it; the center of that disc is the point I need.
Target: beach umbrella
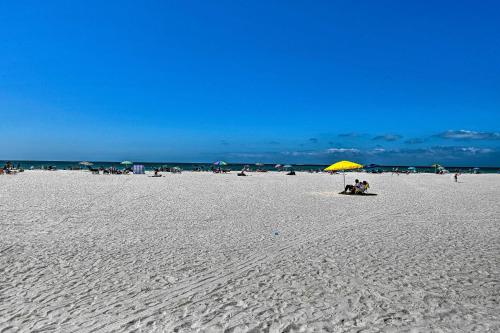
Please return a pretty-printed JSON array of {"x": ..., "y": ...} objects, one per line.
[
  {"x": 86, "y": 163},
  {"x": 220, "y": 164},
  {"x": 371, "y": 166},
  {"x": 287, "y": 166},
  {"x": 126, "y": 163},
  {"x": 277, "y": 166},
  {"x": 343, "y": 166},
  {"x": 436, "y": 166}
]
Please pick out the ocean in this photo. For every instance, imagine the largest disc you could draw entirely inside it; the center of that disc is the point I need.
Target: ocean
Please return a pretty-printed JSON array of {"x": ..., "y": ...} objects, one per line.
[{"x": 69, "y": 165}]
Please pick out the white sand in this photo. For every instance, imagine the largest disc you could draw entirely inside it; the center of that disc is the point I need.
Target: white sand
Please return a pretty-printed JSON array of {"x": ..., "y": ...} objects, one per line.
[{"x": 198, "y": 252}]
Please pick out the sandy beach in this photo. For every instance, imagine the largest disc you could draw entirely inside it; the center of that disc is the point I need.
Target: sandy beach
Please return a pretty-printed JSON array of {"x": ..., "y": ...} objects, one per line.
[{"x": 200, "y": 252}]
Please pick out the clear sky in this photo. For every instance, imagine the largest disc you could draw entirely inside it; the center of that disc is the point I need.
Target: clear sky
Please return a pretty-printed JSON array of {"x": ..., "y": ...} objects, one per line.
[{"x": 394, "y": 82}]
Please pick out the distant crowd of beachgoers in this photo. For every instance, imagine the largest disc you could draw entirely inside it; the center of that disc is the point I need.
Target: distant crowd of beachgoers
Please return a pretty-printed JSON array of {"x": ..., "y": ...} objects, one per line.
[{"x": 223, "y": 167}]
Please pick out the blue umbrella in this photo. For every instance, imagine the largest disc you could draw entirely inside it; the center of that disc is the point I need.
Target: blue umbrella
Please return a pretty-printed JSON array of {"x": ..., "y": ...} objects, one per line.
[{"x": 370, "y": 166}]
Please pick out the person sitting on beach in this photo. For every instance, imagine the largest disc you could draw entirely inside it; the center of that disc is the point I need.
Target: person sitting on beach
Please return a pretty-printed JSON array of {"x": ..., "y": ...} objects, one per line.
[
  {"x": 359, "y": 188},
  {"x": 242, "y": 173},
  {"x": 352, "y": 188},
  {"x": 291, "y": 173},
  {"x": 362, "y": 187}
]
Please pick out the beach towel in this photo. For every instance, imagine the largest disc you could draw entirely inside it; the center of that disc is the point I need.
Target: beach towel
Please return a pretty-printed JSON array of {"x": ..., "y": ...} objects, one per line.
[
  {"x": 363, "y": 194},
  {"x": 138, "y": 169}
]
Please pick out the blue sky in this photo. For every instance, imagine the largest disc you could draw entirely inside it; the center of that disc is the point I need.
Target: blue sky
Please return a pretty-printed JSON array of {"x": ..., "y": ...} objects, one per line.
[{"x": 392, "y": 82}]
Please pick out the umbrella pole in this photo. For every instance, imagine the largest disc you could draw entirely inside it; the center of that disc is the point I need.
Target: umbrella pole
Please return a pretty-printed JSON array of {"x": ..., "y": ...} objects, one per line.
[{"x": 344, "y": 179}]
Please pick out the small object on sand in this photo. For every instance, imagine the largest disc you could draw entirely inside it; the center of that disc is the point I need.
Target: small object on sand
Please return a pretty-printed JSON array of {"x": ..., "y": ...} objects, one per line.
[{"x": 276, "y": 233}]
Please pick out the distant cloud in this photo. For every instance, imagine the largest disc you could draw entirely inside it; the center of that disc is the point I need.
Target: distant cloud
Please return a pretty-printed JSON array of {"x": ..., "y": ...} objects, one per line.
[
  {"x": 302, "y": 153},
  {"x": 468, "y": 135},
  {"x": 474, "y": 150},
  {"x": 343, "y": 150},
  {"x": 414, "y": 141},
  {"x": 388, "y": 137},
  {"x": 436, "y": 151},
  {"x": 451, "y": 155},
  {"x": 249, "y": 156},
  {"x": 350, "y": 135},
  {"x": 326, "y": 152},
  {"x": 378, "y": 151}
]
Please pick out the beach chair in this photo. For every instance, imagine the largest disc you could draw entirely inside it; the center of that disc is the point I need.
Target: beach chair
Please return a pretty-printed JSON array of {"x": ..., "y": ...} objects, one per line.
[{"x": 94, "y": 171}]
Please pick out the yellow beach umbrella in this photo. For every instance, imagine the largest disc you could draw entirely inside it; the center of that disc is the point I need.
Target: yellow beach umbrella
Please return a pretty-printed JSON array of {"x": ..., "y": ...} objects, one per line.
[{"x": 344, "y": 165}]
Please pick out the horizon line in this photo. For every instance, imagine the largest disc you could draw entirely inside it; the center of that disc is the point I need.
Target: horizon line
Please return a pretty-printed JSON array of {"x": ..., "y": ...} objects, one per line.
[{"x": 244, "y": 163}]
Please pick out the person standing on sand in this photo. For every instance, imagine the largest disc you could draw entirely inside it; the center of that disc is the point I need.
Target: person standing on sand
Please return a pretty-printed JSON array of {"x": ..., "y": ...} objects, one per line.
[{"x": 456, "y": 178}]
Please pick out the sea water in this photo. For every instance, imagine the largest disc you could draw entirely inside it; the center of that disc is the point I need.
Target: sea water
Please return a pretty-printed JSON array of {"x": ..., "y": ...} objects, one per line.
[{"x": 69, "y": 165}]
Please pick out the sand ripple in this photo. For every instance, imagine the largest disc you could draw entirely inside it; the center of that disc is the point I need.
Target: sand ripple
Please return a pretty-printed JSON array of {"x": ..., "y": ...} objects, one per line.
[{"x": 267, "y": 253}]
